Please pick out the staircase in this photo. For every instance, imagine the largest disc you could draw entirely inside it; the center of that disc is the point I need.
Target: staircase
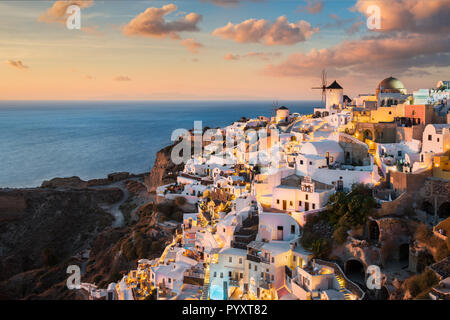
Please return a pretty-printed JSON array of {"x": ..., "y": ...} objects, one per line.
[
  {"x": 342, "y": 288},
  {"x": 246, "y": 234},
  {"x": 205, "y": 292}
]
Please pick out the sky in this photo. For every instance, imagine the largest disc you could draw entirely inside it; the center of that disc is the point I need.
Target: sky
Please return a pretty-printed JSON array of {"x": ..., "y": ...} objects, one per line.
[{"x": 218, "y": 49}]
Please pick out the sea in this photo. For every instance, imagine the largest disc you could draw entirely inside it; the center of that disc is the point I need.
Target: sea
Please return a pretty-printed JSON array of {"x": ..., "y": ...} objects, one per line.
[{"x": 40, "y": 140}]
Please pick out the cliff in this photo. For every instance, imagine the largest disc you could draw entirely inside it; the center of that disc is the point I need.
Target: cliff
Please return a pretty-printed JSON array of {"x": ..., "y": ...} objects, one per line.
[
  {"x": 163, "y": 171},
  {"x": 44, "y": 230},
  {"x": 41, "y": 228}
]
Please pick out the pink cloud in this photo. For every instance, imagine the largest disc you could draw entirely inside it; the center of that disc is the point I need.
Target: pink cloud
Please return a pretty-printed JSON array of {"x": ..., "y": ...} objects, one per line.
[
  {"x": 265, "y": 56},
  {"x": 16, "y": 64},
  {"x": 57, "y": 13},
  {"x": 230, "y": 56},
  {"x": 229, "y": 3},
  {"x": 280, "y": 32},
  {"x": 192, "y": 45},
  {"x": 312, "y": 7},
  {"x": 151, "y": 23},
  {"x": 410, "y": 15},
  {"x": 368, "y": 56},
  {"x": 122, "y": 78}
]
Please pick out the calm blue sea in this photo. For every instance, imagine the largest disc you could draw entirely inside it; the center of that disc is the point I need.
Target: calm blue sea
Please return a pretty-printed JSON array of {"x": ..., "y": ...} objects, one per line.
[{"x": 43, "y": 140}]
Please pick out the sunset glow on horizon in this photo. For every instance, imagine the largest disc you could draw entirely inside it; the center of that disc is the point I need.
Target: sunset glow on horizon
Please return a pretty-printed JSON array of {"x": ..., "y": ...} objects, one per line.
[{"x": 211, "y": 50}]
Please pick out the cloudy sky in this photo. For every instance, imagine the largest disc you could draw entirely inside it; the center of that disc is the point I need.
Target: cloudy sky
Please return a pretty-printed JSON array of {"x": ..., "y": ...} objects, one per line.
[{"x": 218, "y": 49}]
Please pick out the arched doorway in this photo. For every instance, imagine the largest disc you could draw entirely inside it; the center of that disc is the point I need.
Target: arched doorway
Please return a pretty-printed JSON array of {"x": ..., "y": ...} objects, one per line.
[
  {"x": 354, "y": 270},
  {"x": 368, "y": 134},
  {"x": 403, "y": 253},
  {"x": 374, "y": 231},
  {"x": 428, "y": 207},
  {"x": 444, "y": 210}
]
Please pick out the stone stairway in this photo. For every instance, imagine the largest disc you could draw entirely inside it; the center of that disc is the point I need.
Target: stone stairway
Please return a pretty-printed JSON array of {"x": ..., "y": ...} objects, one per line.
[
  {"x": 342, "y": 287},
  {"x": 205, "y": 292}
]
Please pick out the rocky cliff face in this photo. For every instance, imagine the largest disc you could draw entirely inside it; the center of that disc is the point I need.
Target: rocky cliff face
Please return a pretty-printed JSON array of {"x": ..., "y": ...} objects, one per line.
[
  {"x": 117, "y": 251},
  {"x": 43, "y": 231},
  {"x": 41, "y": 228},
  {"x": 163, "y": 171}
]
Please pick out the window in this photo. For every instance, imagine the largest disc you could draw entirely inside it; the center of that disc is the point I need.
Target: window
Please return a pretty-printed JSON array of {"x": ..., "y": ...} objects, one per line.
[
  {"x": 241, "y": 275},
  {"x": 215, "y": 274},
  {"x": 301, "y": 161},
  {"x": 273, "y": 260},
  {"x": 262, "y": 274},
  {"x": 278, "y": 201},
  {"x": 310, "y": 163},
  {"x": 437, "y": 139},
  {"x": 294, "y": 258},
  {"x": 240, "y": 260},
  {"x": 223, "y": 230},
  {"x": 221, "y": 274},
  {"x": 170, "y": 280},
  {"x": 256, "y": 267},
  {"x": 290, "y": 203},
  {"x": 306, "y": 197},
  {"x": 429, "y": 137},
  {"x": 272, "y": 277},
  {"x": 292, "y": 228},
  {"x": 314, "y": 205},
  {"x": 229, "y": 274},
  {"x": 230, "y": 259},
  {"x": 299, "y": 203},
  {"x": 249, "y": 266}
]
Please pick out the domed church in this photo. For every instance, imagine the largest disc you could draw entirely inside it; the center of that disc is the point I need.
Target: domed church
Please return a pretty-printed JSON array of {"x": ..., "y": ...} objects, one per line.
[{"x": 390, "y": 91}]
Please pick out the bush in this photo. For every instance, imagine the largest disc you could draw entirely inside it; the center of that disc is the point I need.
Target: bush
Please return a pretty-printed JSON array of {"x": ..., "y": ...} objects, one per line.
[
  {"x": 421, "y": 283},
  {"x": 351, "y": 209},
  {"x": 423, "y": 295},
  {"x": 441, "y": 251},
  {"x": 340, "y": 235},
  {"x": 423, "y": 233}
]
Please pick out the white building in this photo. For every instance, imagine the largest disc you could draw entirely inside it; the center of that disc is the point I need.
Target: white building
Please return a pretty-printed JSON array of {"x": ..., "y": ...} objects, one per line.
[
  {"x": 282, "y": 114},
  {"x": 298, "y": 193},
  {"x": 436, "y": 138}
]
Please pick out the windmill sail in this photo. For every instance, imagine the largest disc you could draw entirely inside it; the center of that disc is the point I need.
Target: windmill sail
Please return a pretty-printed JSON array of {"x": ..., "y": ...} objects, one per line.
[{"x": 323, "y": 87}]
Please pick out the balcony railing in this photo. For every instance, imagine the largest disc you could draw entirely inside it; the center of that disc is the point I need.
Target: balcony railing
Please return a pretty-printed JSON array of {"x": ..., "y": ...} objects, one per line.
[
  {"x": 265, "y": 284},
  {"x": 349, "y": 285},
  {"x": 233, "y": 283},
  {"x": 253, "y": 258}
]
